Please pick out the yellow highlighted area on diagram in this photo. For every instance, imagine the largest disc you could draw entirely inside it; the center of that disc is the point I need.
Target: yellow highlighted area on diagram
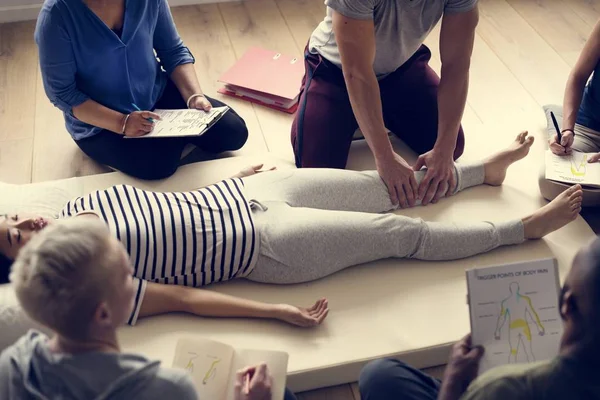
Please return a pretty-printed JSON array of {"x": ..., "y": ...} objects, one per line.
[
  {"x": 578, "y": 168},
  {"x": 521, "y": 324}
]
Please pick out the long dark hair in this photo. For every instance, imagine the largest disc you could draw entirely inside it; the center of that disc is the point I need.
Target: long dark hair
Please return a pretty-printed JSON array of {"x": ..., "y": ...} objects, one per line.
[{"x": 5, "y": 264}]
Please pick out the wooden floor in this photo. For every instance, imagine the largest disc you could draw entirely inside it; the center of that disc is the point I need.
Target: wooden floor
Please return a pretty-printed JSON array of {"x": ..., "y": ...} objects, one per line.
[{"x": 523, "y": 53}]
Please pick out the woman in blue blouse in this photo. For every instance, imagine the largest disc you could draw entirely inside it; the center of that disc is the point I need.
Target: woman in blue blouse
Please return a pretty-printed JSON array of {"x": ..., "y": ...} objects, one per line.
[{"x": 98, "y": 59}]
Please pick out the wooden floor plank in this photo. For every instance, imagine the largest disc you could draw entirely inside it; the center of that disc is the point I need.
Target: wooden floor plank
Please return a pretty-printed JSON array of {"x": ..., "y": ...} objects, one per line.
[
  {"x": 587, "y": 10},
  {"x": 528, "y": 56},
  {"x": 18, "y": 73},
  {"x": 558, "y": 23},
  {"x": 302, "y": 17},
  {"x": 204, "y": 32},
  {"x": 55, "y": 154},
  {"x": 260, "y": 23},
  {"x": 15, "y": 160}
]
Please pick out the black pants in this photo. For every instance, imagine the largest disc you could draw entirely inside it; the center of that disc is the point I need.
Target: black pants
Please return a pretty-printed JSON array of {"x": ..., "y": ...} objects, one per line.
[
  {"x": 289, "y": 395},
  {"x": 159, "y": 158},
  {"x": 395, "y": 380}
]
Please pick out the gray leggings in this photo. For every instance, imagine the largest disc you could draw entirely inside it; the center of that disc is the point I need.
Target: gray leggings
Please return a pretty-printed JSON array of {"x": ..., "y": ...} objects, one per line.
[{"x": 315, "y": 222}]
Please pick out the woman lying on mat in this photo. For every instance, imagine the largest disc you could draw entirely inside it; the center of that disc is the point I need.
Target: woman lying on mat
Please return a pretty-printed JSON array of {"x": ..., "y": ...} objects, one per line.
[
  {"x": 281, "y": 227},
  {"x": 99, "y": 65},
  {"x": 579, "y": 117}
]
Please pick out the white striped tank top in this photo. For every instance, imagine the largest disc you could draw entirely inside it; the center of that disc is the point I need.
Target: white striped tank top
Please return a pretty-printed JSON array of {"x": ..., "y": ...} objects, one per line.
[{"x": 189, "y": 238}]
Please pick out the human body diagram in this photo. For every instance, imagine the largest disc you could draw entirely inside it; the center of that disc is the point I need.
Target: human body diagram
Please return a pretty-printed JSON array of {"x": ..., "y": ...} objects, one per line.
[{"x": 515, "y": 309}]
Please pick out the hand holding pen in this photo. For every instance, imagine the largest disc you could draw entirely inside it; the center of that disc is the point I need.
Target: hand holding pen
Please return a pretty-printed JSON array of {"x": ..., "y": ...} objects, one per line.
[
  {"x": 253, "y": 383},
  {"x": 139, "y": 123},
  {"x": 560, "y": 144}
]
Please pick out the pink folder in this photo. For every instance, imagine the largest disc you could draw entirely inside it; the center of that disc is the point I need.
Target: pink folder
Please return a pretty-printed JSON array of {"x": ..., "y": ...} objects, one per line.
[{"x": 265, "y": 77}]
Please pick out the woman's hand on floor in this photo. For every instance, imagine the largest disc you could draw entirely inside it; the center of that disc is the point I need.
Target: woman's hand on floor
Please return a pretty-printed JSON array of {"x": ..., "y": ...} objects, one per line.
[
  {"x": 252, "y": 170},
  {"x": 303, "y": 317},
  {"x": 595, "y": 158}
]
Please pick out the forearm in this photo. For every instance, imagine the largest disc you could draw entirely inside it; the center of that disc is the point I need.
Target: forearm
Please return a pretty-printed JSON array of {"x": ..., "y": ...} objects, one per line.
[
  {"x": 96, "y": 114},
  {"x": 572, "y": 100},
  {"x": 452, "y": 99},
  {"x": 161, "y": 298},
  {"x": 363, "y": 90},
  {"x": 213, "y": 304},
  {"x": 450, "y": 391},
  {"x": 186, "y": 80}
]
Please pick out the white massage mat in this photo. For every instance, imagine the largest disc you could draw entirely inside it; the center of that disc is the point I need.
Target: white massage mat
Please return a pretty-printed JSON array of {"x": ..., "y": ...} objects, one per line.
[{"x": 401, "y": 308}]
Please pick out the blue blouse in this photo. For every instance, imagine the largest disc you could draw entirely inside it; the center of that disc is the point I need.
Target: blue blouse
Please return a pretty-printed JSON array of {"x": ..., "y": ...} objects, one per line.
[
  {"x": 589, "y": 112},
  {"x": 81, "y": 58}
]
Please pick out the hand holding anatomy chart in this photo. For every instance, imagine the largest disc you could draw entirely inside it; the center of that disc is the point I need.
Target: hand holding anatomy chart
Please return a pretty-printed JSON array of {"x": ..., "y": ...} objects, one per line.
[
  {"x": 573, "y": 168},
  {"x": 514, "y": 312}
]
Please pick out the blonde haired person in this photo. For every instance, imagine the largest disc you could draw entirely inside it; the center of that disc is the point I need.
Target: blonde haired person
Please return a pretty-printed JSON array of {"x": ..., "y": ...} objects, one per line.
[{"x": 75, "y": 279}]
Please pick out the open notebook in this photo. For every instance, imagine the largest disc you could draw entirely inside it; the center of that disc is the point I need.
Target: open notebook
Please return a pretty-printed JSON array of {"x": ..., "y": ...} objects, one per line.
[
  {"x": 514, "y": 312},
  {"x": 573, "y": 168},
  {"x": 176, "y": 123},
  {"x": 213, "y": 366}
]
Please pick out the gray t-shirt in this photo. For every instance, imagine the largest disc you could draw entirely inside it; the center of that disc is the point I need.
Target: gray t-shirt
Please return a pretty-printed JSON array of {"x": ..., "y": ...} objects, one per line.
[
  {"x": 29, "y": 370},
  {"x": 558, "y": 379},
  {"x": 401, "y": 26}
]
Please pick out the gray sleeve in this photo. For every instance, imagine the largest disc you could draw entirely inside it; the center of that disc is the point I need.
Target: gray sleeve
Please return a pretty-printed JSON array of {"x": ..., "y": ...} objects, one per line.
[
  {"x": 177, "y": 384},
  {"x": 499, "y": 389},
  {"x": 459, "y": 6},
  {"x": 4, "y": 378},
  {"x": 356, "y": 9},
  {"x": 187, "y": 389},
  {"x": 7, "y": 375}
]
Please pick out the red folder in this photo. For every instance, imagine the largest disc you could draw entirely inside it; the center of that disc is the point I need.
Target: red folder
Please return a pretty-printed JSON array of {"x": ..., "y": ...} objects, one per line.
[{"x": 267, "y": 78}]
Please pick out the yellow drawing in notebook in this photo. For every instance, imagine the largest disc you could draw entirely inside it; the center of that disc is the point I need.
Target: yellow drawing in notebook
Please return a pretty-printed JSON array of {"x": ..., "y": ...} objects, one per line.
[
  {"x": 211, "y": 373},
  {"x": 578, "y": 168},
  {"x": 190, "y": 365}
]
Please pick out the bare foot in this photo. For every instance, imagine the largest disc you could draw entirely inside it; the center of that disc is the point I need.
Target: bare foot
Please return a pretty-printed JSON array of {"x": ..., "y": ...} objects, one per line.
[
  {"x": 562, "y": 210},
  {"x": 496, "y": 165}
]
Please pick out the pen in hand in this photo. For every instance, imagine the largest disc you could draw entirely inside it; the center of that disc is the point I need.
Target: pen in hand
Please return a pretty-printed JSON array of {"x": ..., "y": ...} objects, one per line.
[
  {"x": 139, "y": 109},
  {"x": 247, "y": 384},
  {"x": 558, "y": 134}
]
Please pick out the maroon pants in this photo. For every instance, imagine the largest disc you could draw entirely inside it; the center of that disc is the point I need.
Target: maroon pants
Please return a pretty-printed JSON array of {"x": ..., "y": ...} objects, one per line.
[{"x": 325, "y": 124}]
